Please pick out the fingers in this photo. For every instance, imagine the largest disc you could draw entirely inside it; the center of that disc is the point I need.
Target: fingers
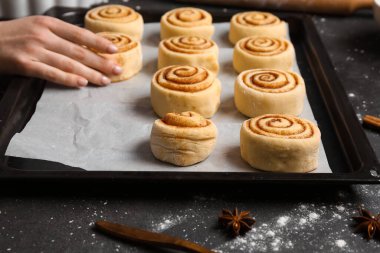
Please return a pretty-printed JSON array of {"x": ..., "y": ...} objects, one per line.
[
  {"x": 70, "y": 66},
  {"x": 59, "y": 54},
  {"x": 82, "y": 36},
  {"x": 83, "y": 55},
  {"x": 44, "y": 71}
]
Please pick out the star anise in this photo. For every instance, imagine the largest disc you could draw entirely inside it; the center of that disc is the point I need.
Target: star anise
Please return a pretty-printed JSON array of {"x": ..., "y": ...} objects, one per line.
[
  {"x": 239, "y": 223},
  {"x": 367, "y": 222}
]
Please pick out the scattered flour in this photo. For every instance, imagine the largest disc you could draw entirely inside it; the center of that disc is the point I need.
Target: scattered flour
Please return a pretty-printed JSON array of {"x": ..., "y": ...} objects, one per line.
[
  {"x": 340, "y": 243},
  {"x": 261, "y": 238},
  {"x": 337, "y": 216},
  {"x": 168, "y": 222},
  {"x": 282, "y": 221},
  {"x": 283, "y": 233},
  {"x": 276, "y": 244},
  {"x": 302, "y": 221},
  {"x": 340, "y": 208},
  {"x": 313, "y": 216}
]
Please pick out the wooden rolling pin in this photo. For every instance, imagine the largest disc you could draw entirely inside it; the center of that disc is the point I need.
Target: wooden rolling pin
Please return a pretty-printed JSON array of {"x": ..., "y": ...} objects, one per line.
[{"x": 316, "y": 6}]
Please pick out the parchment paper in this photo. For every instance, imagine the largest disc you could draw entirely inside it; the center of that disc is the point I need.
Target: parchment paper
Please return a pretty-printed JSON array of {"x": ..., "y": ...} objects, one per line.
[{"x": 108, "y": 128}]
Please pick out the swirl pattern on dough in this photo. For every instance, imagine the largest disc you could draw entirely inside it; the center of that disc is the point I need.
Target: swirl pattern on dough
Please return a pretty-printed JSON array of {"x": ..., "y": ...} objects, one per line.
[
  {"x": 270, "y": 80},
  {"x": 255, "y": 18},
  {"x": 281, "y": 126},
  {"x": 184, "y": 78},
  {"x": 188, "y": 17},
  {"x": 113, "y": 13},
  {"x": 185, "y": 119},
  {"x": 188, "y": 44},
  {"x": 263, "y": 46},
  {"x": 122, "y": 41}
]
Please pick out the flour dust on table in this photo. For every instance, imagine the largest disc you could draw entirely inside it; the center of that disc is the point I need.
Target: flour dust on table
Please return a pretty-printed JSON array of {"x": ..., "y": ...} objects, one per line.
[{"x": 283, "y": 233}]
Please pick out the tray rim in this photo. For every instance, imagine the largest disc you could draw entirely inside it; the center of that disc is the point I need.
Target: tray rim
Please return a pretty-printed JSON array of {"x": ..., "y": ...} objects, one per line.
[{"x": 368, "y": 171}]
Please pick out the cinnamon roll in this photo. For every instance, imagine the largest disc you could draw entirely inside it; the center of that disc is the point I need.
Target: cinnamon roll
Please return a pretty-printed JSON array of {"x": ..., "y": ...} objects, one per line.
[
  {"x": 263, "y": 52},
  {"x": 129, "y": 55},
  {"x": 183, "y": 139},
  {"x": 188, "y": 50},
  {"x": 255, "y": 23},
  {"x": 264, "y": 91},
  {"x": 185, "y": 88},
  {"x": 280, "y": 143},
  {"x": 115, "y": 18},
  {"x": 186, "y": 21}
]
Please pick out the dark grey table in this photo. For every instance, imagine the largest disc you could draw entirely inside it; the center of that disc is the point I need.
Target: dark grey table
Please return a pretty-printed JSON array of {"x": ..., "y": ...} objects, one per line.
[{"x": 290, "y": 218}]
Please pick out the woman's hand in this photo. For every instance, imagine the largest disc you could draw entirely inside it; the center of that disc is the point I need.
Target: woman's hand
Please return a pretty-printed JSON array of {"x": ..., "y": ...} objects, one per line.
[{"x": 48, "y": 48}]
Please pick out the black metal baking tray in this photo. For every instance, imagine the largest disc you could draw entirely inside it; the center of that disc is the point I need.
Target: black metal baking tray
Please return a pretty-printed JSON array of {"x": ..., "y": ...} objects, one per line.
[{"x": 349, "y": 153}]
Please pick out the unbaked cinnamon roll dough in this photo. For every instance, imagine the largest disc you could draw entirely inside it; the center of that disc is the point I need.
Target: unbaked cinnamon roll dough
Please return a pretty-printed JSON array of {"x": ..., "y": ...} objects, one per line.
[
  {"x": 266, "y": 91},
  {"x": 185, "y": 88},
  {"x": 186, "y": 21},
  {"x": 263, "y": 52},
  {"x": 129, "y": 55},
  {"x": 255, "y": 23},
  {"x": 183, "y": 139},
  {"x": 280, "y": 143},
  {"x": 188, "y": 50},
  {"x": 115, "y": 18}
]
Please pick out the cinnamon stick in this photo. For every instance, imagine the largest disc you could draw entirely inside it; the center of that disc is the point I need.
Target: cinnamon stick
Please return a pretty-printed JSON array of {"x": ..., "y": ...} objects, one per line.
[{"x": 371, "y": 121}]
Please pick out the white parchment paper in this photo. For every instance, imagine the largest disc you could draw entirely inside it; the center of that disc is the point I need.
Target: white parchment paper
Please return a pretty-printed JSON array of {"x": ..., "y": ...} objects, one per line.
[{"x": 108, "y": 128}]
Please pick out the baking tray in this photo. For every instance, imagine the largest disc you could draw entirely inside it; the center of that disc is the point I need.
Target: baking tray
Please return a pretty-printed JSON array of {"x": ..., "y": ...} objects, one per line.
[{"x": 349, "y": 153}]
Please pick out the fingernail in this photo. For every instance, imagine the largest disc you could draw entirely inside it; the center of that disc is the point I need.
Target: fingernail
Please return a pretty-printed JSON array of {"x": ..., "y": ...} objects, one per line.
[
  {"x": 112, "y": 49},
  {"x": 105, "y": 80},
  {"x": 82, "y": 82},
  {"x": 117, "y": 70}
]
